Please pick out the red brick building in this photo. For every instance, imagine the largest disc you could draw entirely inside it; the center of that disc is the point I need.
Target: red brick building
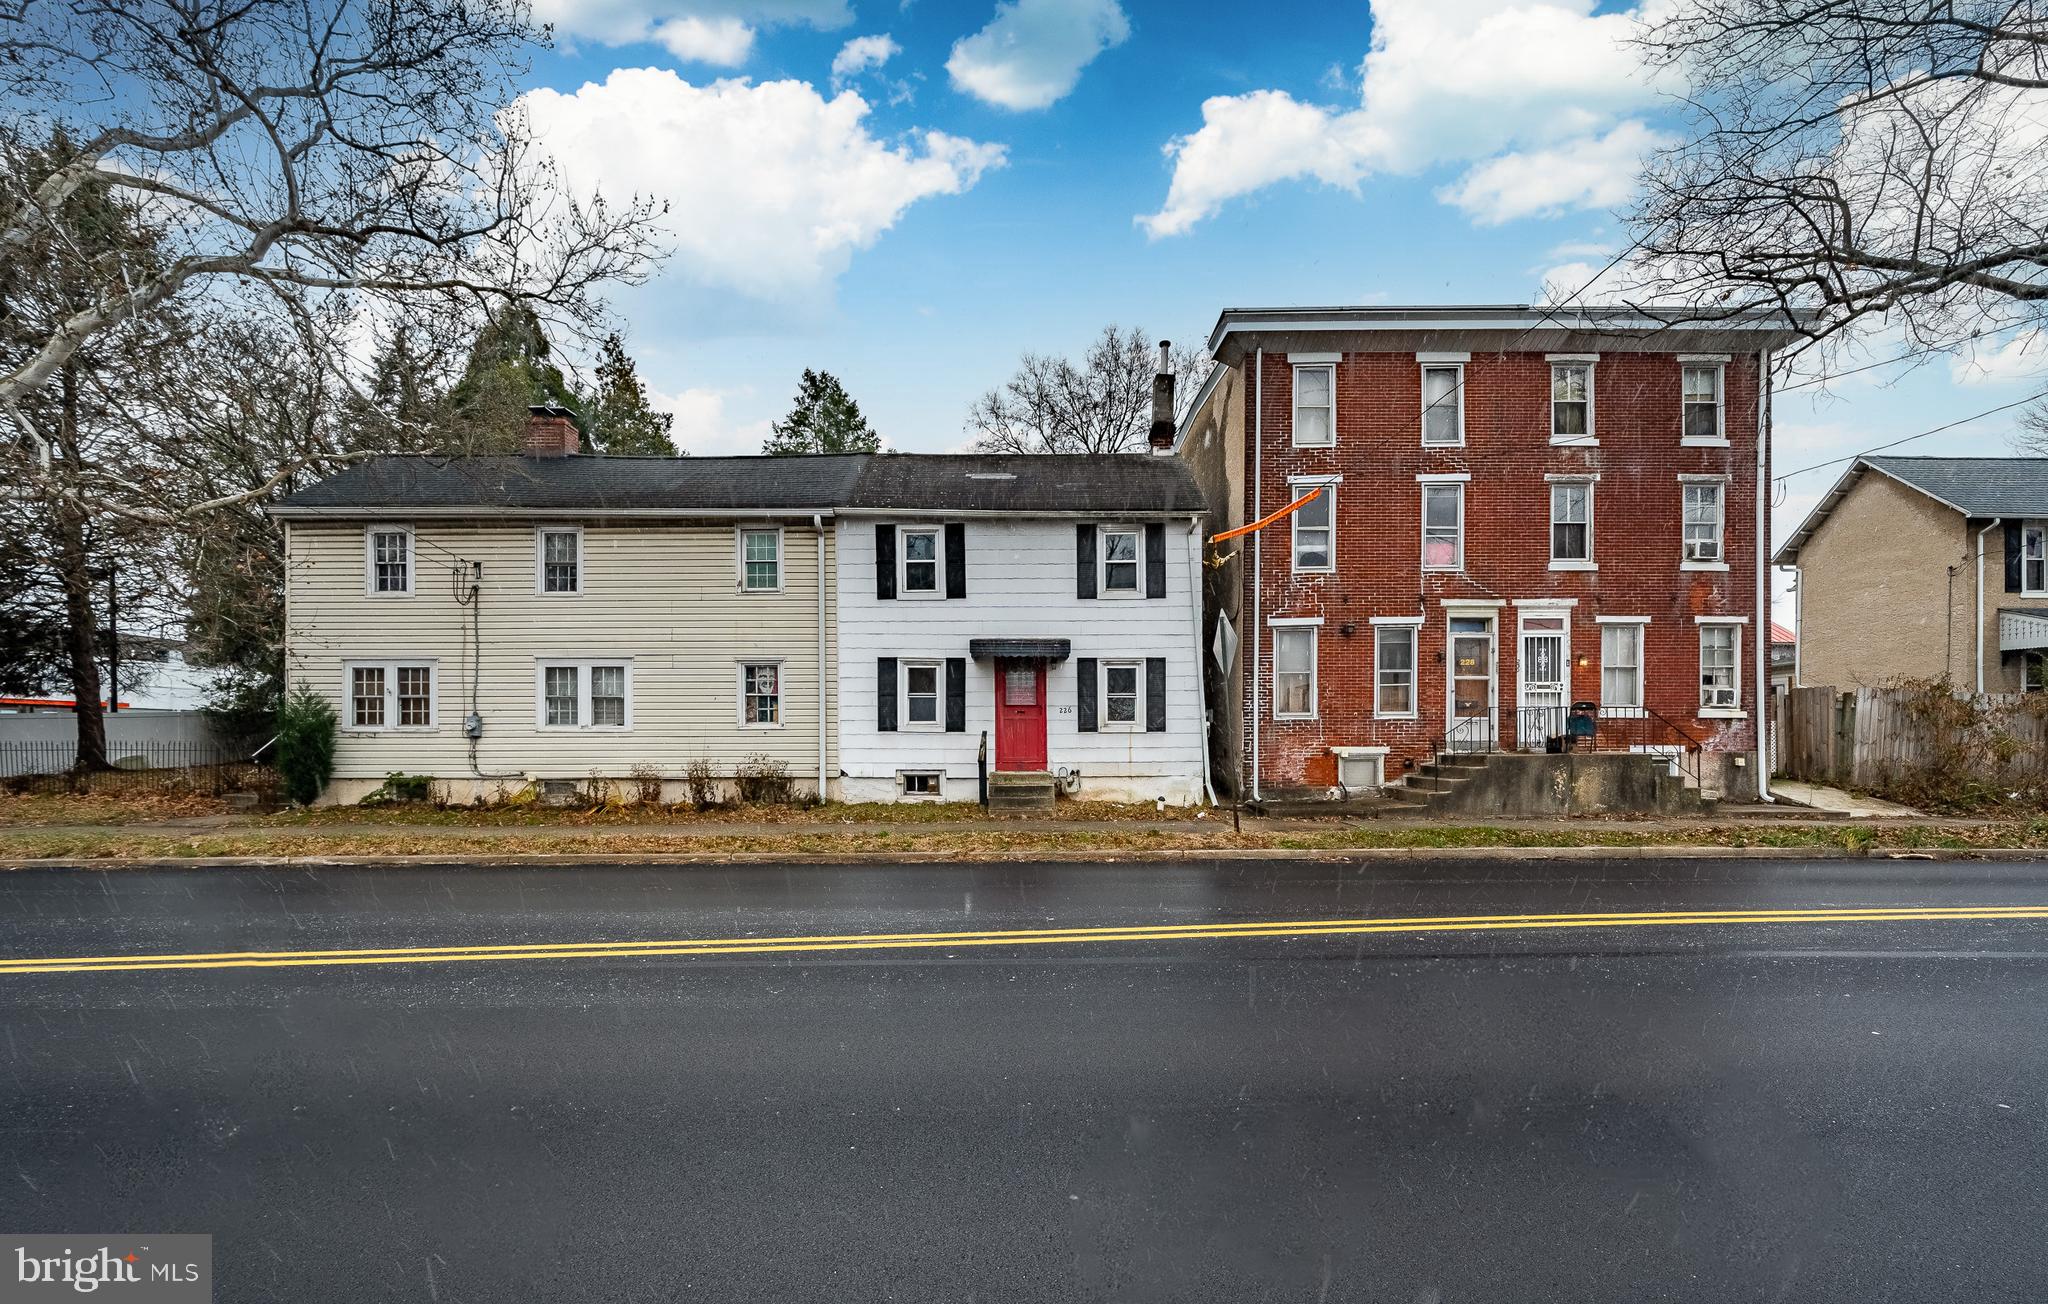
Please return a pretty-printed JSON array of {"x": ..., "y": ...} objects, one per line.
[{"x": 1522, "y": 510}]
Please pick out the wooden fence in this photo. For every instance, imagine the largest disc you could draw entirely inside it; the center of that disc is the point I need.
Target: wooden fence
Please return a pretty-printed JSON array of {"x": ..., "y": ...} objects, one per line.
[{"x": 1881, "y": 739}]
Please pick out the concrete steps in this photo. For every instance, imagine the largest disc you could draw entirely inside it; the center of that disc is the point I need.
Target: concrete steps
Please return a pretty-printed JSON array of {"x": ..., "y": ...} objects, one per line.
[
  {"x": 1520, "y": 784},
  {"x": 1020, "y": 791}
]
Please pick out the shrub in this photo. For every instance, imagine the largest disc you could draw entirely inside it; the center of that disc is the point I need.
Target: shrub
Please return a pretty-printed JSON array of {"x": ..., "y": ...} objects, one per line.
[
  {"x": 305, "y": 744},
  {"x": 702, "y": 781},
  {"x": 762, "y": 781},
  {"x": 400, "y": 787},
  {"x": 647, "y": 783}
]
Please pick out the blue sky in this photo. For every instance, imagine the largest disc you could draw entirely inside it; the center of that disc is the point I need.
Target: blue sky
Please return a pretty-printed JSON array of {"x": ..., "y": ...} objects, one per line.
[{"x": 980, "y": 179}]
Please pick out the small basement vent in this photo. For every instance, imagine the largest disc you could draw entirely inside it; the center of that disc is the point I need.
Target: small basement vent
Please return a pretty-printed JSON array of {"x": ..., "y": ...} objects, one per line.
[
  {"x": 920, "y": 783},
  {"x": 1361, "y": 769},
  {"x": 558, "y": 792}
]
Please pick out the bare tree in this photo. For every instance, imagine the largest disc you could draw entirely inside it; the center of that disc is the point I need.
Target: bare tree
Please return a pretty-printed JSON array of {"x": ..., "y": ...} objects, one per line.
[
  {"x": 368, "y": 150},
  {"x": 1859, "y": 159},
  {"x": 1103, "y": 404}
]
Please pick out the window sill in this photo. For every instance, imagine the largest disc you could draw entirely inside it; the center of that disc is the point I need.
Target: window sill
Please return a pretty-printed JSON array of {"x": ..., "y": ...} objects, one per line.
[
  {"x": 1575, "y": 565},
  {"x": 584, "y": 728},
  {"x": 558, "y": 593},
  {"x": 762, "y": 728},
  {"x": 746, "y": 592},
  {"x": 1315, "y": 570},
  {"x": 373, "y": 730},
  {"x": 920, "y": 595},
  {"x": 1117, "y": 595},
  {"x": 1722, "y": 713},
  {"x": 1703, "y": 443},
  {"x": 1290, "y": 719},
  {"x": 388, "y": 593},
  {"x": 1427, "y": 446},
  {"x": 1378, "y": 716},
  {"x": 1459, "y": 569},
  {"x": 1703, "y": 566},
  {"x": 1331, "y": 444},
  {"x": 1573, "y": 441}
]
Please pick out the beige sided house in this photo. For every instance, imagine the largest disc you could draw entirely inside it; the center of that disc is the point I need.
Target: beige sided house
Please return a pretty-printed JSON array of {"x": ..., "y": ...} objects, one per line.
[
  {"x": 1923, "y": 567},
  {"x": 495, "y": 621}
]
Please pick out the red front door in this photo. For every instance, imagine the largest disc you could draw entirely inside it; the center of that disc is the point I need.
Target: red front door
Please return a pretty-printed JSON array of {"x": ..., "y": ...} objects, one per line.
[{"x": 1020, "y": 714}]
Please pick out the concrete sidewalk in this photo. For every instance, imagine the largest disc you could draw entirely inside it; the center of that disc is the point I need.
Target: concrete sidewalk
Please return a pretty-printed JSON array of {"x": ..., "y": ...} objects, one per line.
[{"x": 1834, "y": 801}]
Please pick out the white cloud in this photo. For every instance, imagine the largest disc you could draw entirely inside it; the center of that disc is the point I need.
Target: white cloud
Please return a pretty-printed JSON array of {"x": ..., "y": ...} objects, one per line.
[
  {"x": 771, "y": 188},
  {"x": 1510, "y": 85},
  {"x": 862, "y": 53},
  {"x": 1032, "y": 52},
  {"x": 1594, "y": 172},
  {"x": 2023, "y": 357},
  {"x": 725, "y": 42},
  {"x": 703, "y": 427}
]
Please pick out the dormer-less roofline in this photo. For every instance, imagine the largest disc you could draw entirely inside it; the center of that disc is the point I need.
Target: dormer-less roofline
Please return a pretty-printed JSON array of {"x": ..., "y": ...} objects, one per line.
[{"x": 1767, "y": 328}]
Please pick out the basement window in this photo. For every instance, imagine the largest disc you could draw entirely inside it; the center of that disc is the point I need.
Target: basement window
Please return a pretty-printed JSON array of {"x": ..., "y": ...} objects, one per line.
[{"x": 920, "y": 783}]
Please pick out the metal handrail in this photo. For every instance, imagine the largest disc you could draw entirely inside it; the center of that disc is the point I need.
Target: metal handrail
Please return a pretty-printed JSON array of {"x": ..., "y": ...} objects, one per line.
[{"x": 1504, "y": 731}]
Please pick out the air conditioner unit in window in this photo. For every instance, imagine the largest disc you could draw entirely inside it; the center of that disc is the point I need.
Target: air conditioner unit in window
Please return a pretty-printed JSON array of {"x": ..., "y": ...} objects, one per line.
[
  {"x": 1702, "y": 550},
  {"x": 1721, "y": 698}
]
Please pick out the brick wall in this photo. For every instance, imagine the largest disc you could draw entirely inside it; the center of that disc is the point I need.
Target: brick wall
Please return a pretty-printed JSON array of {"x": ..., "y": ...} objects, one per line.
[{"x": 1507, "y": 454}]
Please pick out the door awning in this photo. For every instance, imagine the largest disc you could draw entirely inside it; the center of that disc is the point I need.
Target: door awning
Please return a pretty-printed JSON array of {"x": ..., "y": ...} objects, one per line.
[
  {"x": 1042, "y": 649},
  {"x": 2023, "y": 629}
]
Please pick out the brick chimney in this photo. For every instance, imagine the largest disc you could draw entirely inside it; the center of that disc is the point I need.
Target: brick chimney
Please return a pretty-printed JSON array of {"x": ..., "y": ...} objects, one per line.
[
  {"x": 1162, "y": 402},
  {"x": 551, "y": 431}
]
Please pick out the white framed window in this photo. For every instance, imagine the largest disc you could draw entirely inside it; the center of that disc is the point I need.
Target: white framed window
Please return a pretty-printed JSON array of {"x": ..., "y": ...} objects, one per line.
[
  {"x": 1621, "y": 666},
  {"x": 1443, "y": 405},
  {"x": 1704, "y": 520},
  {"x": 558, "y": 559},
  {"x": 1571, "y": 402},
  {"x": 760, "y": 694},
  {"x": 584, "y": 694},
  {"x": 1294, "y": 671},
  {"x": 1315, "y": 405},
  {"x": 1116, "y": 562},
  {"x": 1122, "y": 697},
  {"x": 920, "y": 562},
  {"x": 1702, "y": 414},
  {"x": 387, "y": 561},
  {"x": 390, "y": 695},
  {"x": 2034, "y": 558},
  {"x": 1571, "y": 524},
  {"x": 923, "y": 684},
  {"x": 760, "y": 559},
  {"x": 1720, "y": 668},
  {"x": 1314, "y": 525},
  {"x": 1394, "y": 671},
  {"x": 2033, "y": 672},
  {"x": 1443, "y": 526},
  {"x": 927, "y": 784}
]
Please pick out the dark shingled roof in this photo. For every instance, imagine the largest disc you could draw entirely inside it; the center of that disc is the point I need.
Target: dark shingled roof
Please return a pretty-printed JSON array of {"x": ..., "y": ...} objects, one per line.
[
  {"x": 1111, "y": 483},
  {"x": 1976, "y": 486}
]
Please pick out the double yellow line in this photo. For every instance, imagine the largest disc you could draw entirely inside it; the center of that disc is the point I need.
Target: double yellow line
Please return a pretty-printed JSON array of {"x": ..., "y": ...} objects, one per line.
[{"x": 1006, "y": 937}]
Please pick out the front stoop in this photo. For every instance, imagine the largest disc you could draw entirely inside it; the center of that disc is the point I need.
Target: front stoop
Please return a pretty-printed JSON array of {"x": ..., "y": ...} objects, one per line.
[
  {"x": 1020, "y": 791},
  {"x": 1572, "y": 783}
]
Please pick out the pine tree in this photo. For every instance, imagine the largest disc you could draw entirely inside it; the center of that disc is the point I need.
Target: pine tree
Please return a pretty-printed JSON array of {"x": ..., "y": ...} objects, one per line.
[
  {"x": 824, "y": 420},
  {"x": 509, "y": 370},
  {"x": 617, "y": 417}
]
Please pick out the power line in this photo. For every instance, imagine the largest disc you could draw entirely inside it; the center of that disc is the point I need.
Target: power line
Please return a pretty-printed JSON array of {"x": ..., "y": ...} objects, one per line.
[
  {"x": 1962, "y": 421},
  {"x": 1904, "y": 357}
]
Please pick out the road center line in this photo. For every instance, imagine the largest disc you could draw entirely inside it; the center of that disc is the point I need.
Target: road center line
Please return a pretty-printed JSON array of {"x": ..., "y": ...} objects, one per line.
[{"x": 1008, "y": 937}]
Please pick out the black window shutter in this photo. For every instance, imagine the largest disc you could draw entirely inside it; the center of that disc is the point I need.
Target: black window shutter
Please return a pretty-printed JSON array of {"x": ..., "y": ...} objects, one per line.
[
  {"x": 885, "y": 694},
  {"x": 1084, "y": 688},
  {"x": 956, "y": 694},
  {"x": 885, "y": 562},
  {"x": 956, "y": 560},
  {"x": 1155, "y": 694},
  {"x": 1084, "y": 561},
  {"x": 2013, "y": 579},
  {"x": 1155, "y": 560}
]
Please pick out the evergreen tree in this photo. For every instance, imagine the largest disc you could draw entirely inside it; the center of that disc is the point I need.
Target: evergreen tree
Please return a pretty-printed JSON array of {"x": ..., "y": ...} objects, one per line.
[
  {"x": 617, "y": 418},
  {"x": 509, "y": 370},
  {"x": 824, "y": 420}
]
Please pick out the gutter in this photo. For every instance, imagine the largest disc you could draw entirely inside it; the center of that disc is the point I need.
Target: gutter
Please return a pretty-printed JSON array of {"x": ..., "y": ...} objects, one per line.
[
  {"x": 485, "y": 511},
  {"x": 1258, "y": 548},
  {"x": 1763, "y": 578},
  {"x": 818, "y": 524},
  {"x": 1201, "y": 675},
  {"x": 1996, "y": 521}
]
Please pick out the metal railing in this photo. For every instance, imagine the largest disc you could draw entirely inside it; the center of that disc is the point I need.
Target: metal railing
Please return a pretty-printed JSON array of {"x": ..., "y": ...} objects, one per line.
[
  {"x": 1553, "y": 728},
  {"x": 134, "y": 768}
]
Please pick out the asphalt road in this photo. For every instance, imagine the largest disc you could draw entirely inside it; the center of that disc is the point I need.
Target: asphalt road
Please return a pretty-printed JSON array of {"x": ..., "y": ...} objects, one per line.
[{"x": 1627, "y": 1111}]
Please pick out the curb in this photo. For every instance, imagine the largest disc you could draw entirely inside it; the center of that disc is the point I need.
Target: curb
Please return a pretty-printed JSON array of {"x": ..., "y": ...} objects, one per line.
[{"x": 1337, "y": 856}]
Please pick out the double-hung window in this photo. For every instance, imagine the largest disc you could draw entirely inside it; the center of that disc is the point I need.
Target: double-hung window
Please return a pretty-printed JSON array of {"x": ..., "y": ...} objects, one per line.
[
  {"x": 1122, "y": 693},
  {"x": 1621, "y": 666},
  {"x": 1571, "y": 402},
  {"x": 584, "y": 694},
  {"x": 760, "y": 560},
  {"x": 1294, "y": 672},
  {"x": 1394, "y": 673},
  {"x": 760, "y": 694},
  {"x": 921, "y": 695},
  {"x": 1443, "y": 526},
  {"x": 1703, "y": 520},
  {"x": 390, "y": 695},
  {"x": 1315, "y": 526},
  {"x": 1315, "y": 405},
  {"x": 1720, "y": 667},
  {"x": 1118, "y": 549},
  {"x": 1571, "y": 523},
  {"x": 2034, "y": 558},
  {"x": 1700, "y": 385},
  {"x": 919, "y": 549},
  {"x": 1443, "y": 406},
  {"x": 390, "y": 561},
  {"x": 560, "y": 557}
]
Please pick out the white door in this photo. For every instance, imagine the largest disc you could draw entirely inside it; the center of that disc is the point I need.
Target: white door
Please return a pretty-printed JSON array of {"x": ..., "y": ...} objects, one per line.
[{"x": 1544, "y": 681}]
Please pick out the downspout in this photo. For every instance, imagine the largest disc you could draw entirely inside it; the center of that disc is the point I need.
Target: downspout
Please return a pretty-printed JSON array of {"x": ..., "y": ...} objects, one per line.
[
  {"x": 1201, "y": 671},
  {"x": 1763, "y": 577},
  {"x": 1996, "y": 521},
  {"x": 1258, "y": 545},
  {"x": 818, "y": 524}
]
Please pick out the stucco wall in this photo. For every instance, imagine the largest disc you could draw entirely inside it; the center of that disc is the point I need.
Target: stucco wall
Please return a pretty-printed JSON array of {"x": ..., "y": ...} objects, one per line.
[{"x": 1877, "y": 599}]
